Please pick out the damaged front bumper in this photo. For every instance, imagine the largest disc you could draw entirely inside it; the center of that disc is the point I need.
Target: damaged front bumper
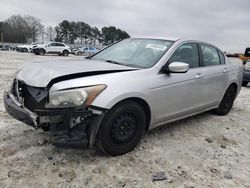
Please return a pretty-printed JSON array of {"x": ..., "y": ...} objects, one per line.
[
  {"x": 19, "y": 112},
  {"x": 69, "y": 127}
]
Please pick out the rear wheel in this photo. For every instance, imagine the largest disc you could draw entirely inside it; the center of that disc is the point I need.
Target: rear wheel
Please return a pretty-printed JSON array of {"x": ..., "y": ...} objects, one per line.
[
  {"x": 244, "y": 83},
  {"x": 25, "y": 50},
  {"x": 65, "y": 53},
  {"x": 121, "y": 129},
  {"x": 227, "y": 101}
]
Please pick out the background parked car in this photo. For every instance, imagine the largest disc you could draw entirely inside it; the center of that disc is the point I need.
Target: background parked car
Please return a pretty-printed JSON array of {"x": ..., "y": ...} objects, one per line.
[
  {"x": 246, "y": 73},
  {"x": 85, "y": 51},
  {"x": 26, "y": 48},
  {"x": 52, "y": 48}
]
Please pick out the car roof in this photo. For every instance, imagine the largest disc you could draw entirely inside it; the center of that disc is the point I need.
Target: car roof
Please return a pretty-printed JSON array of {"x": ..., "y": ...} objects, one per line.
[
  {"x": 158, "y": 37},
  {"x": 175, "y": 39}
]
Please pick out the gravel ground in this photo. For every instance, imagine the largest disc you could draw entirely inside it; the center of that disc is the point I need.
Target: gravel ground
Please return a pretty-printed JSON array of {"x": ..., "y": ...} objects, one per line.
[{"x": 201, "y": 151}]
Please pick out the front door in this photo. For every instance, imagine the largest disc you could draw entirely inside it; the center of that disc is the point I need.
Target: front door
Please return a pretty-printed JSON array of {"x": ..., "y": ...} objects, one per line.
[{"x": 178, "y": 94}]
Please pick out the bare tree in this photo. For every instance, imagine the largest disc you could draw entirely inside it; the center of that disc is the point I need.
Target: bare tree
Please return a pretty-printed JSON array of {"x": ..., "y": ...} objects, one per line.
[
  {"x": 23, "y": 28},
  {"x": 34, "y": 27},
  {"x": 50, "y": 33},
  {"x": 16, "y": 28}
]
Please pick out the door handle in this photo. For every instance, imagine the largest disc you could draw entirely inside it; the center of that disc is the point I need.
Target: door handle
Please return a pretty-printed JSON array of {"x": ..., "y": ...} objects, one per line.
[
  {"x": 198, "y": 75},
  {"x": 225, "y": 70}
]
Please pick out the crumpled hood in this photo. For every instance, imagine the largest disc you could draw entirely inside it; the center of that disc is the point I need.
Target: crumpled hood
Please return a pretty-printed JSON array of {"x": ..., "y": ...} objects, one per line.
[{"x": 41, "y": 73}]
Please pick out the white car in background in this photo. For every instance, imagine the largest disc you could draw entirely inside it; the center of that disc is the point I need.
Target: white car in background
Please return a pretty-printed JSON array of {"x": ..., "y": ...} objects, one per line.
[
  {"x": 85, "y": 51},
  {"x": 52, "y": 48},
  {"x": 26, "y": 47}
]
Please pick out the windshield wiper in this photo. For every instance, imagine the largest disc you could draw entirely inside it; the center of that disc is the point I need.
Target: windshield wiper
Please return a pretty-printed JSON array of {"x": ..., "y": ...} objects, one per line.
[
  {"x": 114, "y": 62},
  {"x": 88, "y": 57}
]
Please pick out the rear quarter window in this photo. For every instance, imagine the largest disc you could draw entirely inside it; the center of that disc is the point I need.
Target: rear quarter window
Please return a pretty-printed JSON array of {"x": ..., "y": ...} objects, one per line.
[
  {"x": 210, "y": 55},
  {"x": 222, "y": 57}
]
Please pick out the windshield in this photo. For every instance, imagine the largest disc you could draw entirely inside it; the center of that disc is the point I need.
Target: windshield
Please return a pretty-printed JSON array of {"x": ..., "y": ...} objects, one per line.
[{"x": 143, "y": 53}]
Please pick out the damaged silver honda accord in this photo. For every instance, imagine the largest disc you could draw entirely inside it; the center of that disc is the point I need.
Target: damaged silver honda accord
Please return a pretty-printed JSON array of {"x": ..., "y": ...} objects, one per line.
[{"x": 110, "y": 99}]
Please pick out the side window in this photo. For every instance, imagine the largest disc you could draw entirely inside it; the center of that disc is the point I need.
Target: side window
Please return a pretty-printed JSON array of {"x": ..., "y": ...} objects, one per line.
[
  {"x": 222, "y": 57},
  {"x": 186, "y": 53},
  {"x": 59, "y": 44},
  {"x": 210, "y": 55},
  {"x": 53, "y": 44}
]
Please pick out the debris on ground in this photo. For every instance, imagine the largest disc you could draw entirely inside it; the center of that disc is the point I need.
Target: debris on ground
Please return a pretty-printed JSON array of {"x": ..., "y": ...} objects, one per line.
[{"x": 159, "y": 176}]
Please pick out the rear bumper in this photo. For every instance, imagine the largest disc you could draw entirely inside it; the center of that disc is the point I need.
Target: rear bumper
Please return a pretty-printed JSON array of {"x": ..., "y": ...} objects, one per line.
[
  {"x": 17, "y": 111},
  {"x": 246, "y": 76}
]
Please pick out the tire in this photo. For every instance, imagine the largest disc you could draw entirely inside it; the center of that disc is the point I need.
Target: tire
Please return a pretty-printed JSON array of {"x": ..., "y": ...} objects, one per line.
[
  {"x": 244, "y": 83},
  {"x": 42, "y": 52},
  {"x": 36, "y": 51},
  {"x": 25, "y": 50},
  {"x": 79, "y": 53},
  {"x": 227, "y": 102},
  {"x": 122, "y": 129},
  {"x": 65, "y": 53},
  {"x": 45, "y": 128}
]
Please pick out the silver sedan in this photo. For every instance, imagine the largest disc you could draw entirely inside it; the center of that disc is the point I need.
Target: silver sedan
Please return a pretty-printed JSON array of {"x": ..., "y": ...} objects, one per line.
[{"x": 112, "y": 98}]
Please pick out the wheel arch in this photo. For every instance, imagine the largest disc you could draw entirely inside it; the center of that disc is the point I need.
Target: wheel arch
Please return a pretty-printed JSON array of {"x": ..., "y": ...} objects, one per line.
[
  {"x": 142, "y": 103},
  {"x": 42, "y": 49},
  {"x": 66, "y": 50},
  {"x": 96, "y": 125},
  {"x": 25, "y": 48},
  {"x": 236, "y": 86}
]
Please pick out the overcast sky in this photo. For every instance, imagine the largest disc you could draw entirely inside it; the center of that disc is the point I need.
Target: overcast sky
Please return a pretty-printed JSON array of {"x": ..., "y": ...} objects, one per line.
[{"x": 225, "y": 23}]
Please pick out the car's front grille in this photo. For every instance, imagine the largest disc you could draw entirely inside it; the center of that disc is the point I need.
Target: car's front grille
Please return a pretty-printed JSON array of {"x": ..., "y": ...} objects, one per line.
[{"x": 31, "y": 97}]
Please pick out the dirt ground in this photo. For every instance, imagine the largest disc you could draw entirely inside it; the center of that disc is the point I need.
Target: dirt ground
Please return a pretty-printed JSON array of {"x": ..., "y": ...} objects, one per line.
[{"x": 201, "y": 151}]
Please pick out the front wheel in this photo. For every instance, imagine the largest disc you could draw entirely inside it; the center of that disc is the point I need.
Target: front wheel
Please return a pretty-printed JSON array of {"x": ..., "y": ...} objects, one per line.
[
  {"x": 227, "y": 102},
  {"x": 121, "y": 129}
]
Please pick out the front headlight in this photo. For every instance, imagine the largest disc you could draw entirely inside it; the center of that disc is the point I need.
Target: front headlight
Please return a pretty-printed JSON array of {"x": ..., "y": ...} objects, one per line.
[{"x": 74, "y": 97}]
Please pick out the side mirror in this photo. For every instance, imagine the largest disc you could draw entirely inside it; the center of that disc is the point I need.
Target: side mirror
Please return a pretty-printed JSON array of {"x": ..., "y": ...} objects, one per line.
[{"x": 178, "y": 67}]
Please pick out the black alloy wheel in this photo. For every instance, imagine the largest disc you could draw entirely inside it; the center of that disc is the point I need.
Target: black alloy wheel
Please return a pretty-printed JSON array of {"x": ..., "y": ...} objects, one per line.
[{"x": 122, "y": 128}]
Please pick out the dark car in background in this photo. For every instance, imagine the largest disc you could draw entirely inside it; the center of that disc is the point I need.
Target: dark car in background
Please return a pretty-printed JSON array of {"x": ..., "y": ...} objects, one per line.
[{"x": 246, "y": 73}]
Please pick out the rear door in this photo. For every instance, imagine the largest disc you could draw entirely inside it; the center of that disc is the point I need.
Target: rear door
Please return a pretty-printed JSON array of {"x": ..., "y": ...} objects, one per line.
[
  {"x": 52, "y": 48},
  {"x": 214, "y": 74},
  {"x": 60, "y": 47}
]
